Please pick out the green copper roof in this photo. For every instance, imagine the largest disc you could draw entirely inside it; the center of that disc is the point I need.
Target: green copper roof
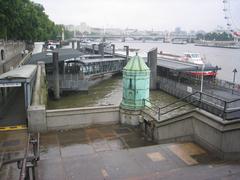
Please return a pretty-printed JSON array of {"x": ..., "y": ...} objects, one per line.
[{"x": 136, "y": 63}]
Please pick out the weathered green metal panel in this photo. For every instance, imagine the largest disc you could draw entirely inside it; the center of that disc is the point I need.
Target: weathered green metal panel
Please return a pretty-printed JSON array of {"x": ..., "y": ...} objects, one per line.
[{"x": 136, "y": 79}]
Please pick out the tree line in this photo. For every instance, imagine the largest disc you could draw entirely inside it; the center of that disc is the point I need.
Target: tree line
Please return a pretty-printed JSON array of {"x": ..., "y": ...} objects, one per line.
[
  {"x": 214, "y": 36},
  {"x": 26, "y": 20}
]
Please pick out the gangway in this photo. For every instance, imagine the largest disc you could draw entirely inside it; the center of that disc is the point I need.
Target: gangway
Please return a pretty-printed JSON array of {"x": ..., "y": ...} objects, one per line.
[{"x": 16, "y": 88}]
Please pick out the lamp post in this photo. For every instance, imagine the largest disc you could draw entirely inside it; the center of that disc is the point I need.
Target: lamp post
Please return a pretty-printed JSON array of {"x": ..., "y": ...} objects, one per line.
[
  {"x": 203, "y": 66},
  {"x": 234, "y": 76}
]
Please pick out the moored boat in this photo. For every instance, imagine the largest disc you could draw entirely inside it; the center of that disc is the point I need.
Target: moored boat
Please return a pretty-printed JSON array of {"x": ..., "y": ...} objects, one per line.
[{"x": 192, "y": 58}]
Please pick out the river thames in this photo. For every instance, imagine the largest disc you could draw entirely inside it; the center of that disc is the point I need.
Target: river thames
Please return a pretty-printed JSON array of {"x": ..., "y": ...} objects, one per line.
[
  {"x": 227, "y": 59},
  {"x": 109, "y": 92}
]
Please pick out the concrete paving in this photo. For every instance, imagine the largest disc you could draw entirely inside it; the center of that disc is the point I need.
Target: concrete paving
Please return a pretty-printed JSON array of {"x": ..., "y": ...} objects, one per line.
[
  {"x": 120, "y": 152},
  {"x": 12, "y": 145}
]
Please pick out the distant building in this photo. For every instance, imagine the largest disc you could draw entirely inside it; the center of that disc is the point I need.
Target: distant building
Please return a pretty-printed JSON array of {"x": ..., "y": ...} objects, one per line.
[
  {"x": 69, "y": 27},
  {"x": 114, "y": 31},
  {"x": 83, "y": 28},
  {"x": 96, "y": 30}
]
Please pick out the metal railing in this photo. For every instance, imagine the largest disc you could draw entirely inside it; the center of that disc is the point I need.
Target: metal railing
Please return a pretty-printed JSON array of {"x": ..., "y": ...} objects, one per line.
[
  {"x": 159, "y": 110},
  {"x": 152, "y": 107},
  {"x": 224, "y": 108},
  {"x": 30, "y": 159},
  {"x": 210, "y": 103}
]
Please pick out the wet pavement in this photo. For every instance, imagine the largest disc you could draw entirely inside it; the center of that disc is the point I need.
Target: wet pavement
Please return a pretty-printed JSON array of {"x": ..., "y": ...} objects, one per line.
[
  {"x": 114, "y": 152},
  {"x": 12, "y": 145},
  {"x": 122, "y": 152}
]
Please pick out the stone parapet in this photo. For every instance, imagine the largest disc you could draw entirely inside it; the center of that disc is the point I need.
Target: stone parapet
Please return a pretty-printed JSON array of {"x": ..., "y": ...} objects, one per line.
[
  {"x": 81, "y": 117},
  {"x": 210, "y": 131}
]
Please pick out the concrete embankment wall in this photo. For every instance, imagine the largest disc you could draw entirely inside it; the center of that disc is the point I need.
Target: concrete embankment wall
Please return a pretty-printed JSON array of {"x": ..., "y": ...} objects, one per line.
[
  {"x": 210, "y": 131},
  {"x": 37, "y": 111},
  {"x": 81, "y": 117},
  {"x": 42, "y": 120},
  {"x": 10, "y": 54}
]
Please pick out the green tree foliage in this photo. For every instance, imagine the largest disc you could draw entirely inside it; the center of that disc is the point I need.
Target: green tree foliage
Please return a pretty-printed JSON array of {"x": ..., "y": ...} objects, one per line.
[
  {"x": 213, "y": 36},
  {"x": 26, "y": 20}
]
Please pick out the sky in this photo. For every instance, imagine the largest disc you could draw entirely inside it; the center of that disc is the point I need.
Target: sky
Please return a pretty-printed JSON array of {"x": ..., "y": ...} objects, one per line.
[{"x": 142, "y": 14}]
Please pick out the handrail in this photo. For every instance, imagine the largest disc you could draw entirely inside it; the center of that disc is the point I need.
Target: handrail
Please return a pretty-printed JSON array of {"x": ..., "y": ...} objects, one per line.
[
  {"x": 179, "y": 100},
  {"x": 25, "y": 168},
  {"x": 178, "y": 107},
  {"x": 24, "y": 162},
  {"x": 25, "y": 59},
  {"x": 156, "y": 111},
  {"x": 235, "y": 100},
  {"x": 150, "y": 103}
]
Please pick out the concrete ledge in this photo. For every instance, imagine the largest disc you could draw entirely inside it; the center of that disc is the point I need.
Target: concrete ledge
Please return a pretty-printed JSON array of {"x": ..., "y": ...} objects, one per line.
[
  {"x": 81, "y": 117},
  {"x": 210, "y": 131},
  {"x": 37, "y": 119}
]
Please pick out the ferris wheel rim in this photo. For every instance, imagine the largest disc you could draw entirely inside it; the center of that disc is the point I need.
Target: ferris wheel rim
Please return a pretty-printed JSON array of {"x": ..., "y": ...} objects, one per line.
[{"x": 228, "y": 17}]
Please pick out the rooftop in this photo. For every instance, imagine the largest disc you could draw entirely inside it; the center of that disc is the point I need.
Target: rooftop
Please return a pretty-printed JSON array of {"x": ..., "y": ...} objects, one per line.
[
  {"x": 22, "y": 72},
  {"x": 183, "y": 66},
  {"x": 46, "y": 56},
  {"x": 136, "y": 63}
]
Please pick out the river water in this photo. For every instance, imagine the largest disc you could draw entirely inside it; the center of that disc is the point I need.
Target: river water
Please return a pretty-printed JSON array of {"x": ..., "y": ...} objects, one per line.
[
  {"x": 227, "y": 59},
  {"x": 109, "y": 92}
]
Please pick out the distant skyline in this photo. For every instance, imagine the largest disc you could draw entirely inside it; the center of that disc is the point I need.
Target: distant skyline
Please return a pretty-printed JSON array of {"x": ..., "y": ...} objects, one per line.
[{"x": 142, "y": 14}]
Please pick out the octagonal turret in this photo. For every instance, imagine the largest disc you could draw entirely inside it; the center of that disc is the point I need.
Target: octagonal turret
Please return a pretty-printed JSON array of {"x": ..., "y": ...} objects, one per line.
[{"x": 136, "y": 79}]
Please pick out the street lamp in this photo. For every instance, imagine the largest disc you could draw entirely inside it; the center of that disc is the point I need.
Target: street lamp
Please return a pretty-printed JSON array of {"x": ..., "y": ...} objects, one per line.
[{"x": 203, "y": 66}]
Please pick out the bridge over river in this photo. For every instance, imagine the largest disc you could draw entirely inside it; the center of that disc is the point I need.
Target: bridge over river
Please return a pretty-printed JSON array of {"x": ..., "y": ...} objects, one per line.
[{"x": 163, "y": 37}]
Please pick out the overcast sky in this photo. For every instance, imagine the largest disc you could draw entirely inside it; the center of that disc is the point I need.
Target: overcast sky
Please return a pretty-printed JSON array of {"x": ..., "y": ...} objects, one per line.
[{"x": 142, "y": 14}]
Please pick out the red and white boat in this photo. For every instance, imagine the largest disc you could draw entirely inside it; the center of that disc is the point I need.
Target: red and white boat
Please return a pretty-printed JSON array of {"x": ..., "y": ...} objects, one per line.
[
  {"x": 193, "y": 58},
  {"x": 196, "y": 58}
]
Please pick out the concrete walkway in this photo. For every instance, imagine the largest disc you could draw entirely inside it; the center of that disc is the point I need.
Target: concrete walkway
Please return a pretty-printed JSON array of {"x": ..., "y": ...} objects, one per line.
[
  {"x": 121, "y": 152},
  {"x": 12, "y": 145},
  {"x": 114, "y": 152}
]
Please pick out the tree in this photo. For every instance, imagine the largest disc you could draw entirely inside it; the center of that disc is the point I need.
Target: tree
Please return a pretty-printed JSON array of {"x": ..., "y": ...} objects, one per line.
[{"x": 26, "y": 20}]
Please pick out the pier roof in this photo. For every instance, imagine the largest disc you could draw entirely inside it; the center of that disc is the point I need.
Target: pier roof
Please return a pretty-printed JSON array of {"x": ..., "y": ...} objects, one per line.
[
  {"x": 15, "y": 77},
  {"x": 23, "y": 72},
  {"x": 184, "y": 66},
  {"x": 88, "y": 61},
  {"x": 46, "y": 56}
]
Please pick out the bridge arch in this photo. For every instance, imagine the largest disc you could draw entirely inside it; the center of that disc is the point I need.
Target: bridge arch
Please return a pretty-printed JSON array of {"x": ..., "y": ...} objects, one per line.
[{"x": 2, "y": 54}]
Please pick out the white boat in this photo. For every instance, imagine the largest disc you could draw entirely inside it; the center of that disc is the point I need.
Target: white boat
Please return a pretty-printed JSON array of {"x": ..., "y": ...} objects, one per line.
[{"x": 193, "y": 58}]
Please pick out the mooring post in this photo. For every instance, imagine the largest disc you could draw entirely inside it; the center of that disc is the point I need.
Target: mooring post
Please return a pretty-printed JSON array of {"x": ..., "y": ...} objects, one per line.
[
  {"x": 73, "y": 44},
  {"x": 93, "y": 48},
  {"x": 113, "y": 50},
  {"x": 78, "y": 45},
  {"x": 152, "y": 63},
  {"x": 101, "y": 49},
  {"x": 56, "y": 76},
  {"x": 127, "y": 52}
]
